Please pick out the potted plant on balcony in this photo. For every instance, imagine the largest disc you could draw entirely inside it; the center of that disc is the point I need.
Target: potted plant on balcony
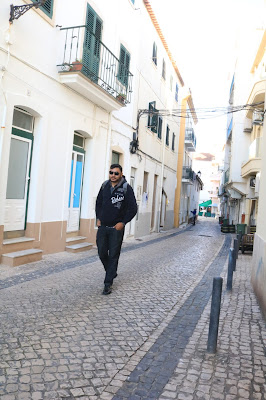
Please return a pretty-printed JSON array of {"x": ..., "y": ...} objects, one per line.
[
  {"x": 76, "y": 66},
  {"x": 121, "y": 97}
]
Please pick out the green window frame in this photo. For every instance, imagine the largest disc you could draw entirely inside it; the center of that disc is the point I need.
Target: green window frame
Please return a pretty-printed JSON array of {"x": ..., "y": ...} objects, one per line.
[
  {"x": 153, "y": 118},
  {"x": 124, "y": 62},
  {"x": 154, "y": 53},
  {"x": 167, "y": 135},
  {"x": 47, "y": 8},
  {"x": 115, "y": 157},
  {"x": 160, "y": 126}
]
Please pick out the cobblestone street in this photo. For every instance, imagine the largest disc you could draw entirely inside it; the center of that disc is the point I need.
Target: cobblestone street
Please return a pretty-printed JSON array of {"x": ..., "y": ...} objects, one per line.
[{"x": 61, "y": 339}]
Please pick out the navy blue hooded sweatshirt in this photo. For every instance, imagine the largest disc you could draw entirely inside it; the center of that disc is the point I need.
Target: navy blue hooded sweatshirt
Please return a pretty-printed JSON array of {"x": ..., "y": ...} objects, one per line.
[{"x": 113, "y": 205}]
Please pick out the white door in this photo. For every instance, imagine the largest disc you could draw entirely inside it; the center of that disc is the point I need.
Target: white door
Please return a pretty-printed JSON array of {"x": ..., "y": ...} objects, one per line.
[
  {"x": 17, "y": 183},
  {"x": 75, "y": 189}
]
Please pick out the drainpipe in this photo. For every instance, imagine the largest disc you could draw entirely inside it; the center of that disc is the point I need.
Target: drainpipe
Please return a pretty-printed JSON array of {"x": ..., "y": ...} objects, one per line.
[
  {"x": 161, "y": 187},
  {"x": 179, "y": 169},
  {"x": 4, "y": 68},
  {"x": 108, "y": 146}
]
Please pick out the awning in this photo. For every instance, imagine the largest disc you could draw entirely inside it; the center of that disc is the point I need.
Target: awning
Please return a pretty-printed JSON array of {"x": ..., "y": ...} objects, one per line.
[{"x": 206, "y": 203}]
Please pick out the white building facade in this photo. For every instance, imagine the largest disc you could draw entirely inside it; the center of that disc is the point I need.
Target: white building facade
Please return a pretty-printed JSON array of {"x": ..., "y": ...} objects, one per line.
[{"x": 74, "y": 80}]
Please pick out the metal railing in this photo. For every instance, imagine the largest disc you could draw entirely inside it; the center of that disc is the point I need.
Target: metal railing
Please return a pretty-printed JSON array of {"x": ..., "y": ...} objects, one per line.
[
  {"x": 226, "y": 176},
  {"x": 190, "y": 136},
  {"x": 187, "y": 173},
  {"x": 86, "y": 53}
]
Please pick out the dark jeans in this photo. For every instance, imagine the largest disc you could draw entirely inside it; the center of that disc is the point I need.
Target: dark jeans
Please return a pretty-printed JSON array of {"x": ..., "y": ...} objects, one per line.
[{"x": 109, "y": 242}]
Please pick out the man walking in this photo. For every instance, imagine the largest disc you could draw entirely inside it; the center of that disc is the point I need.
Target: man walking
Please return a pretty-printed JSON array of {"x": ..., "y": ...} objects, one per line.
[{"x": 115, "y": 207}]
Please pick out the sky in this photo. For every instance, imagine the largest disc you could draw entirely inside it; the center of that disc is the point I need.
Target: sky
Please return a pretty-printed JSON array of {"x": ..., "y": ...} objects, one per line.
[{"x": 202, "y": 36}]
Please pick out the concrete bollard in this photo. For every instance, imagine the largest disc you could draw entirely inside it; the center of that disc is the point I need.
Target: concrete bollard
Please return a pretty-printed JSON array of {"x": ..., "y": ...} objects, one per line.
[
  {"x": 215, "y": 314},
  {"x": 230, "y": 270}
]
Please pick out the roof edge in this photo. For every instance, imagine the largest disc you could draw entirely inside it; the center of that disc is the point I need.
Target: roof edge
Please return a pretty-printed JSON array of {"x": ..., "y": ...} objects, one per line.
[{"x": 159, "y": 31}]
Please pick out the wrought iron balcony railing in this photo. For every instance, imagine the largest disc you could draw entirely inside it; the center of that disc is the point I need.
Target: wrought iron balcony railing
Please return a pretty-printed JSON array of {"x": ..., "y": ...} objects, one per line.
[
  {"x": 187, "y": 173},
  {"x": 226, "y": 176},
  {"x": 190, "y": 138},
  {"x": 84, "y": 52}
]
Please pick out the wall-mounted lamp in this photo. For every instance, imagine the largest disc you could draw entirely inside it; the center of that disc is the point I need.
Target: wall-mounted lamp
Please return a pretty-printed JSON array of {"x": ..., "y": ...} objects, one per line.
[{"x": 17, "y": 11}]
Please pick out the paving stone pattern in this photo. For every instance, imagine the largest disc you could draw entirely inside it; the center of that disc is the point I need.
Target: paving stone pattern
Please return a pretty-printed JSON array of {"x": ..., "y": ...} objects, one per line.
[
  {"x": 157, "y": 366},
  {"x": 61, "y": 339},
  {"x": 57, "y": 267},
  {"x": 238, "y": 370}
]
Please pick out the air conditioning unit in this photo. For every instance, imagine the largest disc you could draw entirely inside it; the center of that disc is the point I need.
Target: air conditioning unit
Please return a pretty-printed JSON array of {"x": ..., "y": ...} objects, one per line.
[
  {"x": 257, "y": 118},
  {"x": 252, "y": 182}
]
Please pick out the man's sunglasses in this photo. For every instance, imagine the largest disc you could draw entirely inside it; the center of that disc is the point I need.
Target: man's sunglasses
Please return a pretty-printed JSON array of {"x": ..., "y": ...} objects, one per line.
[{"x": 113, "y": 173}]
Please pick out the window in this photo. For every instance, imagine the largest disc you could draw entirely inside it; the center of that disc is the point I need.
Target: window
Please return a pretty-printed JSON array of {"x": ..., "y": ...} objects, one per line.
[
  {"x": 154, "y": 53},
  {"x": 171, "y": 83},
  {"x": 22, "y": 120},
  {"x": 176, "y": 92},
  {"x": 115, "y": 157},
  {"x": 124, "y": 61},
  {"x": 145, "y": 182},
  {"x": 164, "y": 70},
  {"x": 167, "y": 136},
  {"x": 78, "y": 140},
  {"x": 153, "y": 118},
  {"x": 160, "y": 125},
  {"x": 173, "y": 142},
  {"x": 47, "y": 8}
]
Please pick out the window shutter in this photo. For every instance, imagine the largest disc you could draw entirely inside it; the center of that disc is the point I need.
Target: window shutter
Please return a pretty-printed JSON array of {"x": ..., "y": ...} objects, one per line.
[
  {"x": 160, "y": 125},
  {"x": 92, "y": 44},
  {"x": 167, "y": 136},
  {"x": 153, "y": 118},
  {"x": 124, "y": 62},
  {"x": 173, "y": 142},
  {"x": 154, "y": 53},
  {"x": 163, "y": 70},
  {"x": 176, "y": 92},
  {"x": 47, "y": 8}
]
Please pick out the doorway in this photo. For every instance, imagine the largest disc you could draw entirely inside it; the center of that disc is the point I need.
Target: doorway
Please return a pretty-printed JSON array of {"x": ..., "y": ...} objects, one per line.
[
  {"x": 18, "y": 171},
  {"x": 76, "y": 183}
]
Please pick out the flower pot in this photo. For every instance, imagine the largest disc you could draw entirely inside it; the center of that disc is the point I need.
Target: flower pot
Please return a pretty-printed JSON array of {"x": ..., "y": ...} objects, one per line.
[
  {"x": 76, "y": 66},
  {"x": 121, "y": 98}
]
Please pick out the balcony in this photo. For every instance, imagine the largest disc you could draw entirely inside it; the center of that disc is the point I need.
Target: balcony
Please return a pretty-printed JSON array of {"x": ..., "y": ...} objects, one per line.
[
  {"x": 221, "y": 190},
  {"x": 229, "y": 128},
  {"x": 187, "y": 175},
  {"x": 91, "y": 69},
  {"x": 190, "y": 139},
  {"x": 253, "y": 165},
  {"x": 226, "y": 176}
]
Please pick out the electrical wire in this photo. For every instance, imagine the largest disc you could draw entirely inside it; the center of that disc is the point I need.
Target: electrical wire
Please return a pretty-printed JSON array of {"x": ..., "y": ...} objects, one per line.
[{"x": 202, "y": 113}]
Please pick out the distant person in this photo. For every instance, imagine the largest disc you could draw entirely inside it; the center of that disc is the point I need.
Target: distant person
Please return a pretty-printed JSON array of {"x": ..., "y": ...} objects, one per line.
[
  {"x": 115, "y": 207},
  {"x": 194, "y": 213}
]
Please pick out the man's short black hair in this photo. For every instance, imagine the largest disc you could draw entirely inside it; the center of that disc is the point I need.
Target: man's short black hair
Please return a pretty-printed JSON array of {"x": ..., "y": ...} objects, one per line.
[{"x": 116, "y": 166}]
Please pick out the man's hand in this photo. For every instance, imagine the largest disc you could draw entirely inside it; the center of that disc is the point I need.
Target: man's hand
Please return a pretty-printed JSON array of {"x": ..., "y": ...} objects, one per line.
[
  {"x": 98, "y": 223},
  {"x": 119, "y": 226}
]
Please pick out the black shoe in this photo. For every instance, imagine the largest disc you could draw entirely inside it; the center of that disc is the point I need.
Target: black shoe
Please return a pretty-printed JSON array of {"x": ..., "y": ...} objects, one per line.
[{"x": 107, "y": 289}]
